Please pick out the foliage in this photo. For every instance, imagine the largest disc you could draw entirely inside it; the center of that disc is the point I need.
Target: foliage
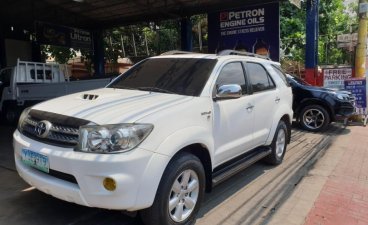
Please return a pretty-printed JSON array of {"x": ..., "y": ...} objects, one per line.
[
  {"x": 141, "y": 39},
  {"x": 292, "y": 25},
  {"x": 333, "y": 20},
  {"x": 60, "y": 54},
  {"x": 199, "y": 27}
]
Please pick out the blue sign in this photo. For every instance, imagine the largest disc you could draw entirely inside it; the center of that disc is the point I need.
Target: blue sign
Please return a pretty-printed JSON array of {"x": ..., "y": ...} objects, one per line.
[
  {"x": 359, "y": 89},
  {"x": 253, "y": 29}
]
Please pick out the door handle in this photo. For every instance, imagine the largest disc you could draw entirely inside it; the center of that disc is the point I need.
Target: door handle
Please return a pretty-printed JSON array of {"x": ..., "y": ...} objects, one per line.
[{"x": 277, "y": 100}]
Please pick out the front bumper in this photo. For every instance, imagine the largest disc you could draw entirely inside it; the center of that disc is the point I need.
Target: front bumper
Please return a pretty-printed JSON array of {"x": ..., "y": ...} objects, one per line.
[
  {"x": 344, "y": 109},
  {"x": 127, "y": 169}
]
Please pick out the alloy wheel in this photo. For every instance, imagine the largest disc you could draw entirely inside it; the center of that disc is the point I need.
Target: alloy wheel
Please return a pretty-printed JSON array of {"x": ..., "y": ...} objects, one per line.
[
  {"x": 280, "y": 143},
  {"x": 183, "y": 196},
  {"x": 313, "y": 119}
]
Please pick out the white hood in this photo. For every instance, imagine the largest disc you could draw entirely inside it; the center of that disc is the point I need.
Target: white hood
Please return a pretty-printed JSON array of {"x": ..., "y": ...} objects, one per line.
[{"x": 112, "y": 105}]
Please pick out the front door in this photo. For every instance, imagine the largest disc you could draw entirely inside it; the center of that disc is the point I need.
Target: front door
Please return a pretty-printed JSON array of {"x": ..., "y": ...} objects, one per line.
[{"x": 233, "y": 118}]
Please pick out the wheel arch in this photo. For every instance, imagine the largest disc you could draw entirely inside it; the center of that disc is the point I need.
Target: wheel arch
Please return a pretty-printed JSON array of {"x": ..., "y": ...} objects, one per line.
[
  {"x": 194, "y": 140},
  {"x": 202, "y": 152},
  {"x": 284, "y": 113}
]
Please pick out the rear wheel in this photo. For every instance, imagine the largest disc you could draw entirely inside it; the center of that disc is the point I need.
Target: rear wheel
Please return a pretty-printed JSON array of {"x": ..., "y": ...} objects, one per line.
[
  {"x": 278, "y": 145},
  {"x": 314, "y": 118},
  {"x": 180, "y": 193}
]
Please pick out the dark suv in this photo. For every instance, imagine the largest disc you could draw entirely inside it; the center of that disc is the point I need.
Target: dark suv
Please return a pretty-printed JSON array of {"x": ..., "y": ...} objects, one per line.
[{"x": 316, "y": 107}]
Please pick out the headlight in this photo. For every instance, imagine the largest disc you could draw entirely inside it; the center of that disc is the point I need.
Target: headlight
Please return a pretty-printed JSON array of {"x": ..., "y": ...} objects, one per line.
[
  {"x": 342, "y": 96},
  {"x": 22, "y": 117},
  {"x": 112, "y": 138}
]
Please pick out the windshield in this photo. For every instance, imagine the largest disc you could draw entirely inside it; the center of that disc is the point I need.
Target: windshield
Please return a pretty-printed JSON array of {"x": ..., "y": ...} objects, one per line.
[
  {"x": 184, "y": 76},
  {"x": 297, "y": 80}
]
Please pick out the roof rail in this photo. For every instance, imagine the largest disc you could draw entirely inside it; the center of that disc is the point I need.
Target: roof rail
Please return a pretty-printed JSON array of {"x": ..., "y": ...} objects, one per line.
[
  {"x": 177, "y": 52},
  {"x": 234, "y": 52}
]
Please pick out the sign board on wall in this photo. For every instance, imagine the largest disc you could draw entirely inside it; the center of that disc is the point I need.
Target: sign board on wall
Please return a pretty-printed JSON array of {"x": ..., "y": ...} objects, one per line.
[
  {"x": 50, "y": 34},
  {"x": 253, "y": 29},
  {"x": 297, "y": 3},
  {"x": 358, "y": 88},
  {"x": 334, "y": 78}
]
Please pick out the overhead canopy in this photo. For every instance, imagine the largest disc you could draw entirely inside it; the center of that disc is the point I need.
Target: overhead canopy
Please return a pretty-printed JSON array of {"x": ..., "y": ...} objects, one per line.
[{"x": 107, "y": 13}]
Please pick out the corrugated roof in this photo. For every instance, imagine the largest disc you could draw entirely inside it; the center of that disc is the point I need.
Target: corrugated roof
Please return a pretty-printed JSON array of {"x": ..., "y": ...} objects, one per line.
[{"x": 107, "y": 13}]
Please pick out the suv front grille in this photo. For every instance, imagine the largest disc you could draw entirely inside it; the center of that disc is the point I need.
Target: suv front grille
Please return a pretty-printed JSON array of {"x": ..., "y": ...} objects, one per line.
[{"x": 63, "y": 135}]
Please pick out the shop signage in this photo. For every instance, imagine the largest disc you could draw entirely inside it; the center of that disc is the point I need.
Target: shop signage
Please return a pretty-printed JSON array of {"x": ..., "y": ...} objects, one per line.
[
  {"x": 363, "y": 7},
  {"x": 50, "y": 34},
  {"x": 346, "y": 38},
  {"x": 358, "y": 87},
  {"x": 335, "y": 77},
  {"x": 253, "y": 29},
  {"x": 297, "y": 3}
]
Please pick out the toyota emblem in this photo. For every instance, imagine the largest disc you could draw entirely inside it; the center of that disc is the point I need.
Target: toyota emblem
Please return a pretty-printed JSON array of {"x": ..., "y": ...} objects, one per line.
[{"x": 42, "y": 128}]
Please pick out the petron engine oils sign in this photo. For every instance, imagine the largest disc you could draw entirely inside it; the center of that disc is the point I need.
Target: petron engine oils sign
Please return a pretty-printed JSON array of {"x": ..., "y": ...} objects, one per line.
[{"x": 253, "y": 29}]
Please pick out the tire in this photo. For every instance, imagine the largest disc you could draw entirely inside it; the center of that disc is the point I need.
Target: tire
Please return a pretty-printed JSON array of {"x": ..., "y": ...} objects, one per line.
[
  {"x": 159, "y": 213},
  {"x": 10, "y": 115},
  {"x": 278, "y": 145},
  {"x": 314, "y": 118}
]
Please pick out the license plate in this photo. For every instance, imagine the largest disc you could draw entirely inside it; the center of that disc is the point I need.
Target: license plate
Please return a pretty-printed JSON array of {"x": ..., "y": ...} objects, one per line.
[{"x": 36, "y": 160}]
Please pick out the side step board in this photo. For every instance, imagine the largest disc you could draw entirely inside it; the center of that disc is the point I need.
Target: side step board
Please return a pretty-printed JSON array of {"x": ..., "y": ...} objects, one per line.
[{"x": 238, "y": 164}]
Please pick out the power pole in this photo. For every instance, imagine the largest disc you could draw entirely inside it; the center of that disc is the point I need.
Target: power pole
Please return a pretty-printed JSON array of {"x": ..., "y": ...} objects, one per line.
[
  {"x": 312, "y": 33},
  {"x": 361, "y": 50}
]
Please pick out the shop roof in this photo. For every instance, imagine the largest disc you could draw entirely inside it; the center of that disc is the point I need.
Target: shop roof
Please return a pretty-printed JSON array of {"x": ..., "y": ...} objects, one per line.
[{"x": 107, "y": 13}]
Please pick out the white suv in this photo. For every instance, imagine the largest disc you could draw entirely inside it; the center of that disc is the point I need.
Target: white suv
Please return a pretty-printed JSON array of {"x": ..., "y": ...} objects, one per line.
[{"x": 159, "y": 136}]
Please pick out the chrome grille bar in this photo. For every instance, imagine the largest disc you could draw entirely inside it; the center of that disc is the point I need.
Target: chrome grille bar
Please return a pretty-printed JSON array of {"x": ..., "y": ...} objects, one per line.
[{"x": 60, "y": 135}]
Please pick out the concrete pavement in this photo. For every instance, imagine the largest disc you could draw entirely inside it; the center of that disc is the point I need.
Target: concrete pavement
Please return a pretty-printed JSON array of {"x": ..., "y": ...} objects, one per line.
[{"x": 335, "y": 191}]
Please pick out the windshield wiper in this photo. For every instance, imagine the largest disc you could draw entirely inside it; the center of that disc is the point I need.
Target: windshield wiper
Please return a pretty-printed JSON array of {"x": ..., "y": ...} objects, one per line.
[
  {"x": 155, "y": 89},
  {"x": 123, "y": 87}
]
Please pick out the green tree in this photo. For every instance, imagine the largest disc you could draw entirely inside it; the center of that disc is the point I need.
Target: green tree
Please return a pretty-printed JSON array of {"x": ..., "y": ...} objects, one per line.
[
  {"x": 334, "y": 20},
  {"x": 60, "y": 54},
  {"x": 292, "y": 25}
]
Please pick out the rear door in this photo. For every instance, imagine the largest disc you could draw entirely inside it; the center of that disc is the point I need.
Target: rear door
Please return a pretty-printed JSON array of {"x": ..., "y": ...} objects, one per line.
[{"x": 265, "y": 97}]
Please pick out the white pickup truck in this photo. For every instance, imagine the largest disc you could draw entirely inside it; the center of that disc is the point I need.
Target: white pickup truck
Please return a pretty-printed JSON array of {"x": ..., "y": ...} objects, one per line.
[
  {"x": 158, "y": 136},
  {"x": 28, "y": 83}
]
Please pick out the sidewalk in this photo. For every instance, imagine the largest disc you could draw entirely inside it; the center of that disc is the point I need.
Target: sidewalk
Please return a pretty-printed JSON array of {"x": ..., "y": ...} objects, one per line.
[{"x": 335, "y": 191}]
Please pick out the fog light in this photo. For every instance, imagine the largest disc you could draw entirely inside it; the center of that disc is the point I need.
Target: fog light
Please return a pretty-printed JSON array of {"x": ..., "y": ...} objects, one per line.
[{"x": 109, "y": 184}]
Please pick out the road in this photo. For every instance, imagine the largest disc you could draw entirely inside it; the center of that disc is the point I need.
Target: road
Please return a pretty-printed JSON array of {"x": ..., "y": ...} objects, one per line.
[{"x": 250, "y": 197}]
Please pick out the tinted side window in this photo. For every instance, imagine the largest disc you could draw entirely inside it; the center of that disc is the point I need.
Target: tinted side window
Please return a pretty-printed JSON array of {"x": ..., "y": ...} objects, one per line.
[
  {"x": 281, "y": 74},
  {"x": 259, "y": 77},
  {"x": 232, "y": 73}
]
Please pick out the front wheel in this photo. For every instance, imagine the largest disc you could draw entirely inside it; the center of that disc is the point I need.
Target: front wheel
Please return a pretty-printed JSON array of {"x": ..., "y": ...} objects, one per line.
[
  {"x": 314, "y": 118},
  {"x": 180, "y": 193},
  {"x": 10, "y": 115},
  {"x": 278, "y": 145}
]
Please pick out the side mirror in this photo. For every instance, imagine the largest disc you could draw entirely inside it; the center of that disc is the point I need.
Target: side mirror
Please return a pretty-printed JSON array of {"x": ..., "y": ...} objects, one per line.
[{"x": 228, "y": 91}]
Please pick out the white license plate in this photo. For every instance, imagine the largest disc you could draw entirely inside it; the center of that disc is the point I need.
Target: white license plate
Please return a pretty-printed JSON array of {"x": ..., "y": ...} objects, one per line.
[{"x": 36, "y": 160}]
